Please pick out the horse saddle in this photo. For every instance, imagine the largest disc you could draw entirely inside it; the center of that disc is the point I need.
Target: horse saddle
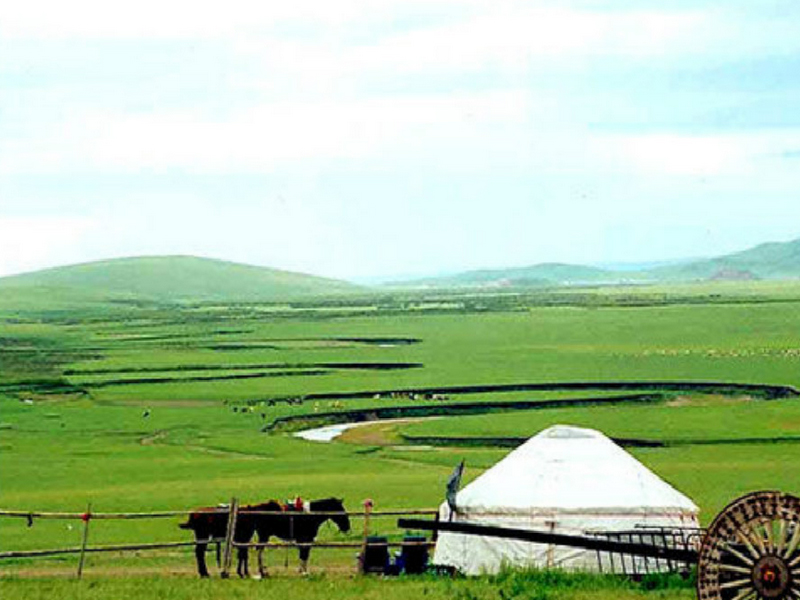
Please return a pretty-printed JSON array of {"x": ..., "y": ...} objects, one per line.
[{"x": 297, "y": 505}]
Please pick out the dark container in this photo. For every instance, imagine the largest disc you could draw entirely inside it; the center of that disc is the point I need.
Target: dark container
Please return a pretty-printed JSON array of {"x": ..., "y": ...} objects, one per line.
[
  {"x": 414, "y": 554},
  {"x": 375, "y": 557}
]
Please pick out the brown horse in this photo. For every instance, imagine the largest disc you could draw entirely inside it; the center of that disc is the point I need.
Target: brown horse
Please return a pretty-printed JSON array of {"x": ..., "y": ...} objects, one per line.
[
  {"x": 291, "y": 524},
  {"x": 296, "y": 525},
  {"x": 210, "y": 524}
]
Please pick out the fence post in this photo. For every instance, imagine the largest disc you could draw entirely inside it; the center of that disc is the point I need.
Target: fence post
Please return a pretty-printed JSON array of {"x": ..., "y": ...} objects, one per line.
[
  {"x": 367, "y": 511},
  {"x": 85, "y": 517},
  {"x": 233, "y": 512}
]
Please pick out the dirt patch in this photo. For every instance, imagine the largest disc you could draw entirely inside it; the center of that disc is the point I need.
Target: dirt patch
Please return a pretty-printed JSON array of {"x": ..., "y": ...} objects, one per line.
[
  {"x": 708, "y": 400},
  {"x": 154, "y": 438},
  {"x": 681, "y": 401},
  {"x": 377, "y": 433}
]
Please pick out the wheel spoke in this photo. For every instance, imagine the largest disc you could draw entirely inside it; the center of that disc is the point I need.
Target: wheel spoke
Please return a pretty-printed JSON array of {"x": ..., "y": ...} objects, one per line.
[
  {"x": 737, "y": 554},
  {"x": 745, "y": 539},
  {"x": 793, "y": 542},
  {"x": 766, "y": 526},
  {"x": 735, "y": 584},
  {"x": 781, "y": 536},
  {"x": 751, "y": 531},
  {"x": 745, "y": 595},
  {"x": 734, "y": 569},
  {"x": 795, "y": 562}
]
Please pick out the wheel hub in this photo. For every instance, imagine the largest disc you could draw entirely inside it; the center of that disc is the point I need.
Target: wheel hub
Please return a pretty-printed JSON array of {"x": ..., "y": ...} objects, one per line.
[{"x": 771, "y": 577}]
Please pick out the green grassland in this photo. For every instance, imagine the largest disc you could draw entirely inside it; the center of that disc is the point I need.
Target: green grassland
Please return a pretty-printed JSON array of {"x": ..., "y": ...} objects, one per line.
[
  {"x": 511, "y": 586},
  {"x": 79, "y": 425},
  {"x": 173, "y": 278},
  {"x": 682, "y": 420}
]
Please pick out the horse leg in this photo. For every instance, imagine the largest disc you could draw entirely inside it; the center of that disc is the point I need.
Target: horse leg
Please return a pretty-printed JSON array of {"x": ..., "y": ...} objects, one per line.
[
  {"x": 241, "y": 564},
  {"x": 200, "y": 555},
  {"x": 304, "y": 552},
  {"x": 262, "y": 570}
]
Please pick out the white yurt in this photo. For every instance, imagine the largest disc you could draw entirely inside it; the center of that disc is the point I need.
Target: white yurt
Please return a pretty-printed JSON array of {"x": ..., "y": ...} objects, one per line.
[{"x": 566, "y": 480}]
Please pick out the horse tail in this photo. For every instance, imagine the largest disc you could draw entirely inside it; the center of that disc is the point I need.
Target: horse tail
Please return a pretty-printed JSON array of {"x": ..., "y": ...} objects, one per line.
[{"x": 219, "y": 562}]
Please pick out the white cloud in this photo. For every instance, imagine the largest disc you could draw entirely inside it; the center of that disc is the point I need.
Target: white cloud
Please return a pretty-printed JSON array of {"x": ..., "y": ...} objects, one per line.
[
  {"x": 29, "y": 243},
  {"x": 503, "y": 37},
  {"x": 256, "y": 139},
  {"x": 180, "y": 19},
  {"x": 693, "y": 154},
  {"x": 418, "y": 110}
]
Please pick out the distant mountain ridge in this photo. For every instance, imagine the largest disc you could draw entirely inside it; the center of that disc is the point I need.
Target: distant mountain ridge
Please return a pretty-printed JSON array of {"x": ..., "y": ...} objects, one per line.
[
  {"x": 173, "y": 278},
  {"x": 189, "y": 278},
  {"x": 773, "y": 260},
  {"x": 541, "y": 274}
]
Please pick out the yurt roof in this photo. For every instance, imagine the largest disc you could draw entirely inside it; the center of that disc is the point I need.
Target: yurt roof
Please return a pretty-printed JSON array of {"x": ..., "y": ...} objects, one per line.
[{"x": 570, "y": 469}]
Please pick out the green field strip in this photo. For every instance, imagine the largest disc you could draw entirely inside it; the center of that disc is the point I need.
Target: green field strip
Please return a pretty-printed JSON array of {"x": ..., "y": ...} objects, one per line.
[
  {"x": 450, "y": 409},
  {"x": 379, "y": 366},
  {"x": 720, "y": 387},
  {"x": 200, "y": 378},
  {"x": 299, "y": 370},
  {"x": 680, "y": 419},
  {"x": 513, "y": 442}
]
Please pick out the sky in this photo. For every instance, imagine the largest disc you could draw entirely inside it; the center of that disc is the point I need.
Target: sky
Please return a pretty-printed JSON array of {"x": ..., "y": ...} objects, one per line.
[{"x": 359, "y": 139}]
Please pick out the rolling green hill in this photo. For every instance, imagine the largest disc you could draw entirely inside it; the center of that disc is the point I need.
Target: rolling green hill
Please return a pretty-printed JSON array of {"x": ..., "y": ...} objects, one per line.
[
  {"x": 776, "y": 260},
  {"x": 164, "y": 279}
]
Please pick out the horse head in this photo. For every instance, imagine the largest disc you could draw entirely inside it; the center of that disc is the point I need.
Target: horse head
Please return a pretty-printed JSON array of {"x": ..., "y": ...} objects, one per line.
[{"x": 333, "y": 505}]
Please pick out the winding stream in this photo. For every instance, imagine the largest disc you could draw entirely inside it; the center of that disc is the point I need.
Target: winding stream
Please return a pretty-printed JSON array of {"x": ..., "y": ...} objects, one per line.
[{"x": 325, "y": 434}]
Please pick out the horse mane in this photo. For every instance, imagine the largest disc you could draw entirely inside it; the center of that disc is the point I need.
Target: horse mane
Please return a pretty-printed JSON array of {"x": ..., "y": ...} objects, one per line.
[
  {"x": 273, "y": 505},
  {"x": 324, "y": 503},
  {"x": 268, "y": 506}
]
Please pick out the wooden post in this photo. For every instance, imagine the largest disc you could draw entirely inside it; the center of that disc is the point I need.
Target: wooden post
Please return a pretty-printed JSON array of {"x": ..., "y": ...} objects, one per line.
[
  {"x": 229, "y": 536},
  {"x": 367, "y": 511},
  {"x": 86, "y": 517},
  {"x": 291, "y": 538},
  {"x": 550, "y": 548}
]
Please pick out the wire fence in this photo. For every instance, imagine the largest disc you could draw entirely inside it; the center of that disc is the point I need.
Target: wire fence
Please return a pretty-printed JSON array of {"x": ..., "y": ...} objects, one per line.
[{"x": 226, "y": 544}]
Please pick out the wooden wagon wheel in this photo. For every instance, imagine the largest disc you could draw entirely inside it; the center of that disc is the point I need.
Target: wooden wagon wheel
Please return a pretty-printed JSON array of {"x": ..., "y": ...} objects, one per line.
[{"x": 752, "y": 550}]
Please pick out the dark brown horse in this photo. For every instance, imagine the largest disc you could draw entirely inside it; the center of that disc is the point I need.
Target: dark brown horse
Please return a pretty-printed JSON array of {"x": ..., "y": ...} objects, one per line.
[
  {"x": 210, "y": 524},
  {"x": 296, "y": 525},
  {"x": 289, "y": 523}
]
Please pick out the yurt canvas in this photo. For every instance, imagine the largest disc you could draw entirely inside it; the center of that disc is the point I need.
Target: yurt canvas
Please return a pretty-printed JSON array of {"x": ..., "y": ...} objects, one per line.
[{"x": 564, "y": 480}]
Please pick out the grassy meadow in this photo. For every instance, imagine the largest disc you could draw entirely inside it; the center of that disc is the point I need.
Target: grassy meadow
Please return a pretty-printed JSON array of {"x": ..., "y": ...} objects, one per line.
[{"x": 149, "y": 406}]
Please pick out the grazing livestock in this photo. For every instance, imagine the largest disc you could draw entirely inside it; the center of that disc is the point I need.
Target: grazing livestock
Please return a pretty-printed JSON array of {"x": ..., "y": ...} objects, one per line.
[
  {"x": 296, "y": 523},
  {"x": 291, "y": 523},
  {"x": 210, "y": 524}
]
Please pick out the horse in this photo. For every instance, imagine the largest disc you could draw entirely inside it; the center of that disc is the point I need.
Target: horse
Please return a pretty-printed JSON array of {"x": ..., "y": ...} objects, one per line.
[
  {"x": 210, "y": 524},
  {"x": 293, "y": 524}
]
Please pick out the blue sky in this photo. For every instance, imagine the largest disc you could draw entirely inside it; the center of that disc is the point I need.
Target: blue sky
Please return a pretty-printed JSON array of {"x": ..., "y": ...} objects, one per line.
[{"x": 357, "y": 139}]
